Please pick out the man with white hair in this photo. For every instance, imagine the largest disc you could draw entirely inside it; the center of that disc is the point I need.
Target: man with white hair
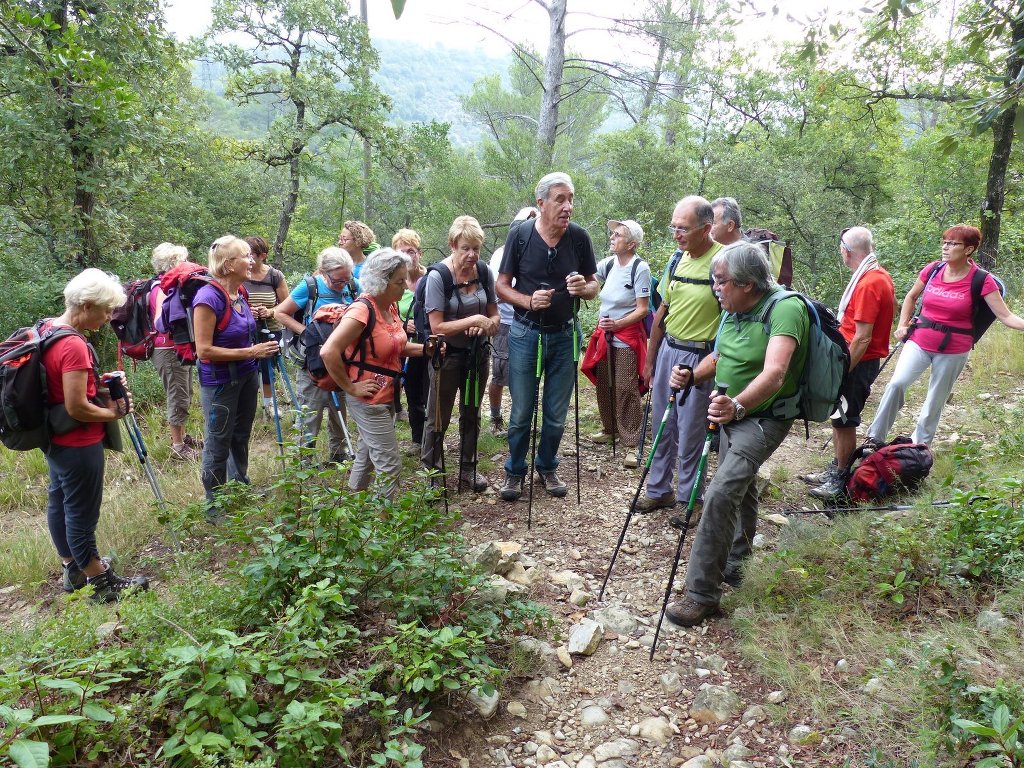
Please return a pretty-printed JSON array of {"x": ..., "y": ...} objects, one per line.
[
  {"x": 552, "y": 263},
  {"x": 865, "y": 319}
]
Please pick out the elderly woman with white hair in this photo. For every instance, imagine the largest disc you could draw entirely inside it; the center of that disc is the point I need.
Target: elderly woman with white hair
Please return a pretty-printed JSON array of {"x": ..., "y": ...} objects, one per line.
[
  {"x": 228, "y": 367},
  {"x": 79, "y": 412},
  {"x": 333, "y": 283},
  {"x": 367, "y": 365},
  {"x": 174, "y": 375}
]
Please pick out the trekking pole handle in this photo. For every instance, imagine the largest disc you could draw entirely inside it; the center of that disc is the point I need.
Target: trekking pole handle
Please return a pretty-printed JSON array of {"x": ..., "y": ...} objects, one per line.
[
  {"x": 116, "y": 386},
  {"x": 720, "y": 389}
]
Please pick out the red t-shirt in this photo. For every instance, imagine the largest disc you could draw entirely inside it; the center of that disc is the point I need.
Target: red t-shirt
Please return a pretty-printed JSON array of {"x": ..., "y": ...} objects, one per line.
[
  {"x": 873, "y": 301},
  {"x": 71, "y": 353},
  {"x": 388, "y": 342},
  {"x": 948, "y": 304}
]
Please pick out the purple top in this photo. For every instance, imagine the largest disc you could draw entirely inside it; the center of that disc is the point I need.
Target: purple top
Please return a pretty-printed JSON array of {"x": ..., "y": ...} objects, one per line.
[{"x": 237, "y": 334}]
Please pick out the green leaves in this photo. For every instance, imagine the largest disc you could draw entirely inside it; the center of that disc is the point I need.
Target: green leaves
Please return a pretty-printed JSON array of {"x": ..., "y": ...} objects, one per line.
[{"x": 29, "y": 754}]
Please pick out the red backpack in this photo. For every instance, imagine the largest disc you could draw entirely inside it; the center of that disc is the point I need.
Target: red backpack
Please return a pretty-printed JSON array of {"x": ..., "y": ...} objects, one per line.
[
  {"x": 899, "y": 465},
  {"x": 180, "y": 284}
]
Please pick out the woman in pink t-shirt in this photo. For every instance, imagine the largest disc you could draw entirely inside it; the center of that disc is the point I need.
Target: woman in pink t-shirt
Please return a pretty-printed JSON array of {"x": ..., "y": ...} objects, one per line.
[
  {"x": 367, "y": 373},
  {"x": 941, "y": 338}
]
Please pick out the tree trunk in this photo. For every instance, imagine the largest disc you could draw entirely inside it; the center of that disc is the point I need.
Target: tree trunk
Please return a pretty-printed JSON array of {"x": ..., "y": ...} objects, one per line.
[
  {"x": 554, "y": 65},
  {"x": 659, "y": 64},
  {"x": 1002, "y": 143},
  {"x": 367, "y": 150},
  {"x": 291, "y": 199},
  {"x": 88, "y": 251}
]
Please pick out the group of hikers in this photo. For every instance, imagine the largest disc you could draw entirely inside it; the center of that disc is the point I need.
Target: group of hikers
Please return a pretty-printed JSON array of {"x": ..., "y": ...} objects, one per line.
[{"x": 723, "y": 348}]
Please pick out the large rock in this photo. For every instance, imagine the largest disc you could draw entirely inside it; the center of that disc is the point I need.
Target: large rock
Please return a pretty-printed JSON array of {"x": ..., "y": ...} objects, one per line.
[
  {"x": 483, "y": 557},
  {"x": 992, "y": 622},
  {"x": 656, "y": 729},
  {"x": 509, "y": 555},
  {"x": 540, "y": 690},
  {"x": 517, "y": 575},
  {"x": 671, "y": 683},
  {"x": 546, "y": 754},
  {"x": 484, "y": 704},
  {"x": 700, "y": 761},
  {"x": 715, "y": 704},
  {"x": 585, "y": 637},
  {"x": 616, "y": 750},
  {"x": 593, "y": 716},
  {"x": 546, "y": 660},
  {"x": 568, "y": 579},
  {"x": 616, "y": 619}
]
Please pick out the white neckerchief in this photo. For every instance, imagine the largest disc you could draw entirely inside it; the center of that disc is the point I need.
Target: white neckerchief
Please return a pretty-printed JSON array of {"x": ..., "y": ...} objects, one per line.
[{"x": 870, "y": 262}]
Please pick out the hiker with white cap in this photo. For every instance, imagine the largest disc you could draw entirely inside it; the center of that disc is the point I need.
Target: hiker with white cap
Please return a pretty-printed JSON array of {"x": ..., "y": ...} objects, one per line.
[{"x": 615, "y": 357}]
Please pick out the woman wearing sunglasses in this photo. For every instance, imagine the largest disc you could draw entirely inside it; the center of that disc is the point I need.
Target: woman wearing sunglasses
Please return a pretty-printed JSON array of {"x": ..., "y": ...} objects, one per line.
[{"x": 941, "y": 337}]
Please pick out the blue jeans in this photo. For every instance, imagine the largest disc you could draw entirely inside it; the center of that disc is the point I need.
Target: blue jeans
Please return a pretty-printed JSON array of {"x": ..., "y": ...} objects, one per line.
[
  {"x": 229, "y": 411},
  {"x": 76, "y": 492},
  {"x": 559, "y": 372}
]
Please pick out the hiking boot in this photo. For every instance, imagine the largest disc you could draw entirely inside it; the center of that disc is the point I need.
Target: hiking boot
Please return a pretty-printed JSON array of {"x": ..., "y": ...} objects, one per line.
[
  {"x": 733, "y": 577},
  {"x": 832, "y": 489},
  {"x": 474, "y": 480},
  {"x": 108, "y": 587},
  {"x": 513, "y": 487},
  {"x": 553, "y": 483},
  {"x": 75, "y": 578},
  {"x": 631, "y": 460},
  {"x": 601, "y": 438},
  {"x": 184, "y": 452},
  {"x": 820, "y": 478},
  {"x": 194, "y": 442},
  {"x": 679, "y": 521},
  {"x": 498, "y": 426},
  {"x": 646, "y": 504},
  {"x": 337, "y": 459},
  {"x": 689, "y": 613}
]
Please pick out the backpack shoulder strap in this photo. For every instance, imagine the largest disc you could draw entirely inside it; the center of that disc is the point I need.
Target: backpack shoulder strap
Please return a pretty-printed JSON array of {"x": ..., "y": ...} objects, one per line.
[
  {"x": 484, "y": 276},
  {"x": 225, "y": 318},
  {"x": 977, "y": 282},
  {"x": 312, "y": 295},
  {"x": 524, "y": 232},
  {"x": 633, "y": 269}
]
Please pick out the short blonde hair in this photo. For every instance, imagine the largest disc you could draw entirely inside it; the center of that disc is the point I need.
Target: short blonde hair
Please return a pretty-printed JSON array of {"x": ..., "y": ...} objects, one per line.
[
  {"x": 224, "y": 249},
  {"x": 362, "y": 235},
  {"x": 405, "y": 237},
  {"x": 467, "y": 228},
  {"x": 167, "y": 255},
  {"x": 94, "y": 286},
  {"x": 333, "y": 258}
]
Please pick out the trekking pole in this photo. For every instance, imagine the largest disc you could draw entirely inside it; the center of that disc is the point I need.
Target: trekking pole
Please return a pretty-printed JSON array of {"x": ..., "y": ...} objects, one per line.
[
  {"x": 669, "y": 407},
  {"x": 880, "y": 369},
  {"x": 608, "y": 336},
  {"x": 437, "y": 452},
  {"x": 471, "y": 400},
  {"x": 265, "y": 331},
  {"x": 643, "y": 430},
  {"x": 536, "y": 413},
  {"x": 576, "y": 384},
  {"x": 131, "y": 425},
  {"x": 830, "y": 511},
  {"x": 720, "y": 389},
  {"x": 336, "y": 402}
]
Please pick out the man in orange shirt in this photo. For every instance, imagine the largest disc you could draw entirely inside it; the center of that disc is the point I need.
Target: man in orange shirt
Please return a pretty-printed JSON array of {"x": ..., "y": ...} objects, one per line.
[{"x": 865, "y": 320}]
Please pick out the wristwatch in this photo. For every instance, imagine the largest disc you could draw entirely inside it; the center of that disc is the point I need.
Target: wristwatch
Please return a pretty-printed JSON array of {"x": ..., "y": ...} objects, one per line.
[{"x": 740, "y": 411}]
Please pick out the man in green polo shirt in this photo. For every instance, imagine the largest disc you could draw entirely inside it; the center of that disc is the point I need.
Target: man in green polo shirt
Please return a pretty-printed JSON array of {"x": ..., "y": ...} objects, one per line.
[
  {"x": 683, "y": 334},
  {"x": 758, "y": 365}
]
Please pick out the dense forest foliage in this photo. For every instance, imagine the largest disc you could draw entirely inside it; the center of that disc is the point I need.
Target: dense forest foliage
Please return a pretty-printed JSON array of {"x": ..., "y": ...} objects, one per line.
[{"x": 117, "y": 137}]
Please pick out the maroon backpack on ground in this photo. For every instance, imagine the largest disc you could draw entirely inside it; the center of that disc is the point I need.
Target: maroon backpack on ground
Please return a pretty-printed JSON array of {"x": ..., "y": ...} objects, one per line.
[{"x": 899, "y": 465}]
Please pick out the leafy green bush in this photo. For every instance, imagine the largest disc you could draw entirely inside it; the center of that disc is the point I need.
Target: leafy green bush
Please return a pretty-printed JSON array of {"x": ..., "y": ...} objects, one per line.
[
  {"x": 341, "y": 621},
  {"x": 985, "y": 535}
]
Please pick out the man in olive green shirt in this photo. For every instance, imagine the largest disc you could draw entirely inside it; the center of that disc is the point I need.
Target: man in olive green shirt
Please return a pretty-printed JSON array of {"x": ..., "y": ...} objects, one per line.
[{"x": 760, "y": 360}]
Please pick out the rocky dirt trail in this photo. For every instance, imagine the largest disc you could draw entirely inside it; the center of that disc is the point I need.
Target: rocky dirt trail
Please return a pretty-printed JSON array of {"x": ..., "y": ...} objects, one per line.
[{"x": 596, "y": 700}]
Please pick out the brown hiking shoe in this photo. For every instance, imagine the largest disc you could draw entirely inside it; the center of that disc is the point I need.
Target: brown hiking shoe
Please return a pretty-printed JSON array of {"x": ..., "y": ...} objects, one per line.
[
  {"x": 647, "y": 504},
  {"x": 689, "y": 613}
]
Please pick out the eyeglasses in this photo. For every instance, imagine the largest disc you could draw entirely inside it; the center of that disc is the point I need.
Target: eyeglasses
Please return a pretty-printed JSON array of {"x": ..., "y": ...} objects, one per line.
[
  {"x": 951, "y": 243},
  {"x": 335, "y": 280},
  {"x": 673, "y": 230},
  {"x": 722, "y": 281},
  {"x": 410, "y": 252},
  {"x": 552, "y": 255}
]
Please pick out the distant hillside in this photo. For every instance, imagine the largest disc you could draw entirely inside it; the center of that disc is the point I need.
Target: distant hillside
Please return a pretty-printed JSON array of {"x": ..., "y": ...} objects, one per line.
[{"x": 425, "y": 84}]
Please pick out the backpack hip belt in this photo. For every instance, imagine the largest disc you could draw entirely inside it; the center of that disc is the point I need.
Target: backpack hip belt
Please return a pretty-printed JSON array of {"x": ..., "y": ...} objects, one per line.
[
  {"x": 543, "y": 328},
  {"x": 948, "y": 330}
]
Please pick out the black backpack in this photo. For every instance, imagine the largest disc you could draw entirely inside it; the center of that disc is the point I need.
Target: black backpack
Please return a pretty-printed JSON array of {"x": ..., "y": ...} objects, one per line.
[
  {"x": 132, "y": 322},
  {"x": 419, "y": 315},
  {"x": 364, "y": 343},
  {"x": 24, "y": 417},
  {"x": 981, "y": 314}
]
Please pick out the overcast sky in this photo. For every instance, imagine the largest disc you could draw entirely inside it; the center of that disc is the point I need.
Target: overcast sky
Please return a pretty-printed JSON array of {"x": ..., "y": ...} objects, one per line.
[{"x": 478, "y": 23}]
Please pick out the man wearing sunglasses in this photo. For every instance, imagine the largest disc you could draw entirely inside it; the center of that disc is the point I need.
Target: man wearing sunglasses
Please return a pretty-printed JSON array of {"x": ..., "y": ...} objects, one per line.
[
  {"x": 866, "y": 312},
  {"x": 687, "y": 320},
  {"x": 552, "y": 263}
]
